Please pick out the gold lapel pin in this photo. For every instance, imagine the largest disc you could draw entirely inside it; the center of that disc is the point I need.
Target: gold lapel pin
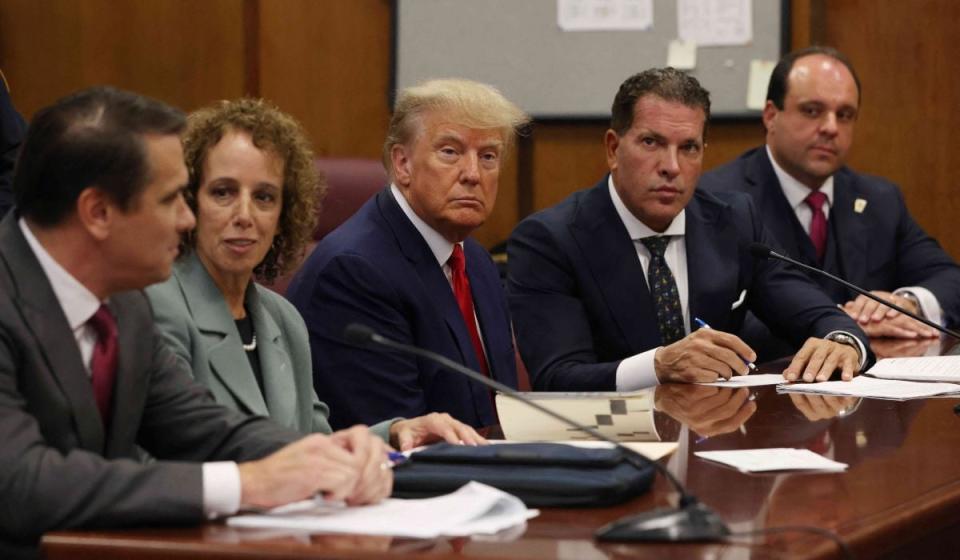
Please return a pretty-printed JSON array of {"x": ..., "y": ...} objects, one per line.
[{"x": 859, "y": 204}]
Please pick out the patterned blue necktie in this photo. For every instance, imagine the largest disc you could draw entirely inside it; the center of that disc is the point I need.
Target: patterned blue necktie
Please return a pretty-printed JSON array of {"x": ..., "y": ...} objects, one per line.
[{"x": 663, "y": 289}]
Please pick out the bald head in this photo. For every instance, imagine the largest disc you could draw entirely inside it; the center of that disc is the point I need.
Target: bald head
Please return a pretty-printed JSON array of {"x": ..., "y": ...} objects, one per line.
[{"x": 810, "y": 131}]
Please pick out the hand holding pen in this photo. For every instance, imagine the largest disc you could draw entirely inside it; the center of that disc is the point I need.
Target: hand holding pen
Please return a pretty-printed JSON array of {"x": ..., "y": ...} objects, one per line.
[
  {"x": 703, "y": 325},
  {"x": 703, "y": 356}
]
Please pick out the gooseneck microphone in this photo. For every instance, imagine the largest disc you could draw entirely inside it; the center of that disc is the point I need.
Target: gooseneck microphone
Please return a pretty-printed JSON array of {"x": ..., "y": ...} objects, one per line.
[
  {"x": 690, "y": 521},
  {"x": 761, "y": 251}
]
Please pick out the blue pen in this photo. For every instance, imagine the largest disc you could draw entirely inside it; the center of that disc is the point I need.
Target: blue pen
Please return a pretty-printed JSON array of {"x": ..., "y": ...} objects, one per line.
[
  {"x": 395, "y": 458},
  {"x": 703, "y": 325}
]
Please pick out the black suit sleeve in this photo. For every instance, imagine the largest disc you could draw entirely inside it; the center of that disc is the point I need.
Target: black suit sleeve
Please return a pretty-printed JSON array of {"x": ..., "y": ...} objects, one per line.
[
  {"x": 47, "y": 486},
  {"x": 922, "y": 262},
  {"x": 551, "y": 322}
]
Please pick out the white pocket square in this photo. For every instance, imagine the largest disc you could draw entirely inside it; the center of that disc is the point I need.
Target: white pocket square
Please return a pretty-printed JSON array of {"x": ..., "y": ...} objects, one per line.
[{"x": 740, "y": 300}]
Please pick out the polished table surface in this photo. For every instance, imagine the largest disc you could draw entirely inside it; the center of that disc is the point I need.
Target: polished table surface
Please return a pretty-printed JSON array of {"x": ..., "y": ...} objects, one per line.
[{"x": 900, "y": 496}]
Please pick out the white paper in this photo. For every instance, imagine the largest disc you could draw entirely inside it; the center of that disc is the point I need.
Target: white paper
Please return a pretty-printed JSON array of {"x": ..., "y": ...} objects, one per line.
[
  {"x": 866, "y": 386},
  {"x": 759, "y": 82},
  {"x": 923, "y": 368},
  {"x": 754, "y": 380},
  {"x": 604, "y": 15},
  {"x": 713, "y": 23},
  {"x": 474, "y": 508},
  {"x": 772, "y": 459},
  {"x": 619, "y": 416},
  {"x": 682, "y": 55}
]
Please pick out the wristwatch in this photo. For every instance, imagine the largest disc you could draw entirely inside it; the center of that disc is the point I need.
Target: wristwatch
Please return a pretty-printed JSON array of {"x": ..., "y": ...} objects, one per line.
[{"x": 849, "y": 340}]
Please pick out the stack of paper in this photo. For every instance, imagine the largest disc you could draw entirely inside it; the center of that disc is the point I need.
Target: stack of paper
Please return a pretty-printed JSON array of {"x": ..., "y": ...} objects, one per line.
[
  {"x": 865, "y": 386},
  {"x": 473, "y": 509},
  {"x": 774, "y": 459},
  {"x": 923, "y": 368}
]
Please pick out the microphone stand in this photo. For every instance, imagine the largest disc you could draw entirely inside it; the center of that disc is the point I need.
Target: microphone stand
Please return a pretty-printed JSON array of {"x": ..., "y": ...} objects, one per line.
[
  {"x": 762, "y": 251},
  {"x": 691, "y": 521}
]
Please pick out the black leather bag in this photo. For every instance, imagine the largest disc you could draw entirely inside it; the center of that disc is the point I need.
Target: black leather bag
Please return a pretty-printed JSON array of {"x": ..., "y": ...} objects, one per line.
[{"x": 540, "y": 474}]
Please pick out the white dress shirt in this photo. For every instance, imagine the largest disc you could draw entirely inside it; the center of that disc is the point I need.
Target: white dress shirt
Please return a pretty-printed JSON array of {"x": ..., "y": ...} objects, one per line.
[
  {"x": 221, "y": 480},
  {"x": 637, "y": 371},
  {"x": 439, "y": 246},
  {"x": 796, "y": 192}
]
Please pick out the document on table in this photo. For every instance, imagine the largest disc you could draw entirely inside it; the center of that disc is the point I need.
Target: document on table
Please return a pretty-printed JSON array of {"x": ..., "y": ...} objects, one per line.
[
  {"x": 620, "y": 416},
  {"x": 871, "y": 387},
  {"x": 473, "y": 509},
  {"x": 754, "y": 380},
  {"x": 923, "y": 368},
  {"x": 773, "y": 459}
]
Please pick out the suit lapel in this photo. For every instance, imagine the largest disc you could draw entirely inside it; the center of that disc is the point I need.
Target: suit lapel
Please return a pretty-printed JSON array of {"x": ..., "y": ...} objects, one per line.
[
  {"x": 850, "y": 228},
  {"x": 616, "y": 270},
  {"x": 484, "y": 289},
  {"x": 278, "y": 381},
  {"x": 44, "y": 317},
  {"x": 712, "y": 272},
  {"x": 128, "y": 391},
  {"x": 228, "y": 360},
  {"x": 767, "y": 194},
  {"x": 431, "y": 274}
]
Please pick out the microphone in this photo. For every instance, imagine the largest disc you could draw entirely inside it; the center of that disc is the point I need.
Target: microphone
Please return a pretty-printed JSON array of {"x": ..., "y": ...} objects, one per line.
[
  {"x": 761, "y": 251},
  {"x": 691, "y": 521}
]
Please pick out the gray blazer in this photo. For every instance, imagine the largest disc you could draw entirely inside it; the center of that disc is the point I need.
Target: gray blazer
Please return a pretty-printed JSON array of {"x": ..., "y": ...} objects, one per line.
[
  {"x": 59, "y": 467},
  {"x": 194, "y": 318}
]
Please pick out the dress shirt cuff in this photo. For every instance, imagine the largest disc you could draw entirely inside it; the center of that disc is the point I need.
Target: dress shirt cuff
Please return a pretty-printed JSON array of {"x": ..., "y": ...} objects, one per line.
[
  {"x": 221, "y": 489},
  {"x": 929, "y": 306},
  {"x": 637, "y": 372},
  {"x": 861, "y": 348}
]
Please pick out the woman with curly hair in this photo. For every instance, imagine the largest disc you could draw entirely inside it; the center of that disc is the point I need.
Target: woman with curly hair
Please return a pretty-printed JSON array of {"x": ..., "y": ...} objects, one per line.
[{"x": 254, "y": 189}]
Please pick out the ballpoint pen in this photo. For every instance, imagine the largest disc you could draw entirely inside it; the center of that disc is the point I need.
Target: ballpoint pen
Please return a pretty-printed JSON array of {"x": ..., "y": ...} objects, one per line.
[{"x": 703, "y": 325}]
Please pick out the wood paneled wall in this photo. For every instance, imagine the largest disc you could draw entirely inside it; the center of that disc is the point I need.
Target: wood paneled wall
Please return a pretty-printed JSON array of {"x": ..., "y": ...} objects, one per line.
[
  {"x": 908, "y": 60},
  {"x": 328, "y": 63}
]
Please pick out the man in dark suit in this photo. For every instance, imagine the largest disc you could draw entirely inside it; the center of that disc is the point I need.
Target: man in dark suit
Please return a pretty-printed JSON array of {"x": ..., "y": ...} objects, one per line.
[
  {"x": 825, "y": 214},
  {"x": 84, "y": 377},
  {"x": 12, "y": 129},
  {"x": 404, "y": 265},
  {"x": 586, "y": 319}
]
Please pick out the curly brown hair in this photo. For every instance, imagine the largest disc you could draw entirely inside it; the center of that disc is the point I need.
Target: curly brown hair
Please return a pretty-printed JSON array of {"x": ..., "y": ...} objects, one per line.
[{"x": 271, "y": 130}]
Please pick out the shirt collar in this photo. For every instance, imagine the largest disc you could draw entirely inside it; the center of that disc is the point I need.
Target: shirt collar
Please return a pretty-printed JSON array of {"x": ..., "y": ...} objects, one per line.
[
  {"x": 439, "y": 245},
  {"x": 637, "y": 229},
  {"x": 795, "y": 191},
  {"x": 78, "y": 303}
]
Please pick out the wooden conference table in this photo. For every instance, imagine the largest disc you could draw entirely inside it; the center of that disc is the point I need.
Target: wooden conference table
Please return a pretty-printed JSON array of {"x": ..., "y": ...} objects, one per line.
[{"x": 899, "y": 498}]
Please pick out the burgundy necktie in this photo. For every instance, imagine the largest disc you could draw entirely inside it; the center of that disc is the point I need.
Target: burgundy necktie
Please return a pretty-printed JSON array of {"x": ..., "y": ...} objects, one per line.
[
  {"x": 461, "y": 290},
  {"x": 103, "y": 366},
  {"x": 818, "y": 222}
]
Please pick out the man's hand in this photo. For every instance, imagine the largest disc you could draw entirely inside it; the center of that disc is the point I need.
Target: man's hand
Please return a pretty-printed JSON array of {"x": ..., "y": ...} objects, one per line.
[
  {"x": 375, "y": 477},
  {"x": 342, "y": 466},
  {"x": 819, "y": 358},
  {"x": 880, "y": 321},
  {"x": 407, "y": 434},
  {"x": 821, "y": 407},
  {"x": 708, "y": 411},
  {"x": 703, "y": 355}
]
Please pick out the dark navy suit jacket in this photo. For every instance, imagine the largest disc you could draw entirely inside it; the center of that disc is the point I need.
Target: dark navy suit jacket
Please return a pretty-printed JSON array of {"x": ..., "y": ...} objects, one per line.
[
  {"x": 879, "y": 248},
  {"x": 580, "y": 302},
  {"x": 377, "y": 269},
  {"x": 12, "y": 130}
]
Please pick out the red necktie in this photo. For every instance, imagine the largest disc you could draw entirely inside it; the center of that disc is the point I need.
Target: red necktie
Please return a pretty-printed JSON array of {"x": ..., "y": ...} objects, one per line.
[
  {"x": 461, "y": 290},
  {"x": 103, "y": 366},
  {"x": 818, "y": 222}
]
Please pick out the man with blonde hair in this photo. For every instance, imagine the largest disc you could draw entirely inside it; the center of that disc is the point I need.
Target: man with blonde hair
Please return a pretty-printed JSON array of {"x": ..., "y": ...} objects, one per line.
[{"x": 404, "y": 264}]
